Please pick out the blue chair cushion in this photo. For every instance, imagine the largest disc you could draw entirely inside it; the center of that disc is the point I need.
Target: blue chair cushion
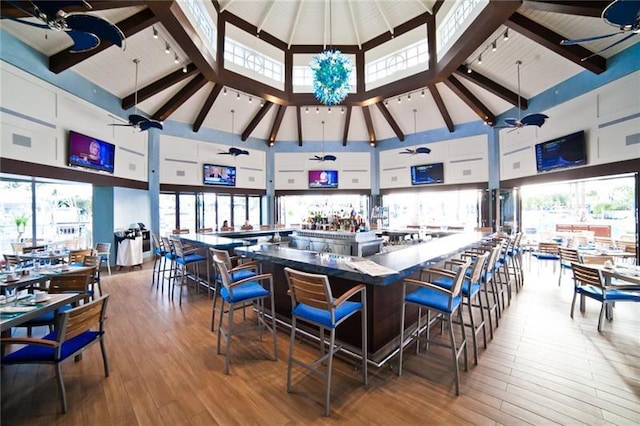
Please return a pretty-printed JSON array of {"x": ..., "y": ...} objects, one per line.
[
  {"x": 566, "y": 265},
  {"x": 546, "y": 256},
  {"x": 323, "y": 316},
  {"x": 431, "y": 298},
  {"x": 190, "y": 258},
  {"x": 36, "y": 353},
  {"x": 446, "y": 282},
  {"x": 595, "y": 292},
  {"x": 170, "y": 256},
  {"x": 246, "y": 291},
  {"x": 238, "y": 275}
]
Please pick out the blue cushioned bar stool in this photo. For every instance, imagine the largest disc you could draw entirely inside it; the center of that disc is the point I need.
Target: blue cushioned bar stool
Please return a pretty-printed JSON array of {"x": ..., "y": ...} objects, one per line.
[
  {"x": 313, "y": 302},
  {"x": 471, "y": 286},
  {"x": 239, "y": 272},
  {"x": 251, "y": 289},
  {"x": 444, "y": 302},
  {"x": 183, "y": 259},
  {"x": 76, "y": 329},
  {"x": 159, "y": 262}
]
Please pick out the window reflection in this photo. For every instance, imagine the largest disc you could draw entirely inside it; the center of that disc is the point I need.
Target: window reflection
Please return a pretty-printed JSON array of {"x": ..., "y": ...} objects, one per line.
[
  {"x": 447, "y": 208},
  {"x": 167, "y": 204},
  {"x": 187, "y": 218}
]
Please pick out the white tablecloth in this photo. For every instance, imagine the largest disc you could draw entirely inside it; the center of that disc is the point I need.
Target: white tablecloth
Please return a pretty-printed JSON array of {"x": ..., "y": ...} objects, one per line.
[{"x": 129, "y": 252}]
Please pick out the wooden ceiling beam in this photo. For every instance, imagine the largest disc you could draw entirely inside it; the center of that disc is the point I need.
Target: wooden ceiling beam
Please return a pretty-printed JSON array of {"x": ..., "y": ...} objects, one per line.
[
  {"x": 492, "y": 87},
  {"x": 256, "y": 120},
  {"x": 180, "y": 98},
  {"x": 299, "y": 120},
  {"x": 206, "y": 107},
  {"x": 551, "y": 40},
  {"x": 347, "y": 122},
  {"x": 369, "y": 122},
  {"x": 392, "y": 122},
  {"x": 273, "y": 134},
  {"x": 441, "y": 107},
  {"x": 158, "y": 86},
  {"x": 64, "y": 60},
  {"x": 590, "y": 8},
  {"x": 471, "y": 100}
]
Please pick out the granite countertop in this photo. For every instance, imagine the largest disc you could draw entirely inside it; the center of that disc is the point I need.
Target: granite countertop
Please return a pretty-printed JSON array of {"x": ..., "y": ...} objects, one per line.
[{"x": 405, "y": 261}]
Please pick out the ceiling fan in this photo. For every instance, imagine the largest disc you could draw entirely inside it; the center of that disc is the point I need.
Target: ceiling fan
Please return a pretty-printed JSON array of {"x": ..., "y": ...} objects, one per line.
[
  {"x": 416, "y": 149},
  {"x": 323, "y": 157},
  {"x": 136, "y": 120},
  {"x": 535, "y": 119},
  {"x": 86, "y": 31},
  {"x": 233, "y": 151},
  {"x": 624, "y": 14}
]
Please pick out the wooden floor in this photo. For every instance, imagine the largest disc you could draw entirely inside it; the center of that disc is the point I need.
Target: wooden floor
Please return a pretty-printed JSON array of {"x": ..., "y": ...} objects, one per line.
[{"x": 542, "y": 367}]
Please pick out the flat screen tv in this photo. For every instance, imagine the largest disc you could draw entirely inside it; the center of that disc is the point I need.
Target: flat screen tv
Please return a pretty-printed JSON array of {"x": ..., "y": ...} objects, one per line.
[
  {"x": 91, "y": 153},
  {"x": 323, "y": 178},
  {"x": 213, "y": 174},
  {"x": 563, "y": 152},
  {"x": 427, "y": 173}
]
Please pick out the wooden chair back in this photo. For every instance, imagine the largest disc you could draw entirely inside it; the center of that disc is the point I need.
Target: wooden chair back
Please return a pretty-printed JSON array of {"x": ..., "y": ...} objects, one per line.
[
  {"x": 548, "y": 248},
  {"x": 77, "y": 256},
  {"x": 223, "y": 255},
  {"x": 156, "y": 244},
  {"x": 204, "y": 230},
  {"x": 180, "y": 231},
  {"x": 92, "y": 261},
  {"x": 103, "y": 248},
  {"x": 76, "y": 321},
  {"x": 310, "y": 289},
  {"x": 596, "y": 260},
  {"x": 71, "y": 283},
  {"x": 12, "y": 260},
  {"x": 568, "y": 255},
  {"x": 586, "y": 275},
  {"x": 603, "y": 242}
]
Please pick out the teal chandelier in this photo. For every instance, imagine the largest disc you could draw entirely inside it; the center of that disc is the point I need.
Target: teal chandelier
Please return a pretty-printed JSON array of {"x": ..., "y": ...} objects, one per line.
[{"x": 331, "y": 73}]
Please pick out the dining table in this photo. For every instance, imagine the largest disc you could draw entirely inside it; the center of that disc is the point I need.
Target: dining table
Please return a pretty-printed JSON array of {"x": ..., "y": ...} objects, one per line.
[
  {"x": 19, "y": 309},
  {"x": 30, "y": 277}
]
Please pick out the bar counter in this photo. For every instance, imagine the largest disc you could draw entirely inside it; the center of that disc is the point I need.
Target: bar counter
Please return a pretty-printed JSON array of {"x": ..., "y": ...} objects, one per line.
[{"x": 384, "y": 293}]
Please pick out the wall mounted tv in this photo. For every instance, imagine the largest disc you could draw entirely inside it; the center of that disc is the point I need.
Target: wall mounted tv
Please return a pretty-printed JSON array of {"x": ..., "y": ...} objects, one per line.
[
  {"x": 323, "y": 178},
  {"x": 91, "y": 153},
  {"x": 213, "y": 174},
  {"x": 563, "y": 152},
  {"x": 427, "y": 173}
]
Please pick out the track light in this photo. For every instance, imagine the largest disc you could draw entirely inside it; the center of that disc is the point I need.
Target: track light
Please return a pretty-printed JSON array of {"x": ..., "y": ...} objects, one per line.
[
  {"x": 342, "y": 110},
  {"x": 250, "y": 99},
  {"x": 399, "y": 99},
  {"x": 506, "y": 35},
  {"x": 409, "y": 97},
  {"x": 468, "y": 69},
  {"x": 494, "y": 46},
  {"x": 167, "y": 48},
  {"x": 155, "y": 33},
  {"x": 238, "y": 96},
  {"x": 224, "y": 92},
  {"x": 422, "y": 93},
  {"x": 317, "y": 110},
  {"x": 306, "y": 110},
  {"x": 329, "y": 110},
  {"x": 175, "y": 59},
  {"x": 261, "y": 103},
  {"x": 480, "y": 59},
  {"x": 386, "y": 102},
  {"x": 184, "y": 69}
]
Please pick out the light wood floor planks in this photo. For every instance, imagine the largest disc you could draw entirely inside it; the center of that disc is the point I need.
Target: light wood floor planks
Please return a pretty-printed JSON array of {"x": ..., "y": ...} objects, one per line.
[{"x": 542, "y": 367}]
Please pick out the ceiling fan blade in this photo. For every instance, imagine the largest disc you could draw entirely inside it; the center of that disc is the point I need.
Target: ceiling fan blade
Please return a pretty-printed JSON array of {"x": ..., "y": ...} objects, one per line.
[
  {"x": 102, "y": 28},
  {"x": 423, "y": 150},
  {"x": 511, "y": 122},
  {"x": 329, "y": 158},
  {"x": 123, "y": 125},
  {"x": 622, "y": 13},
  {"x": 82, "y": 41},
  {"x": 534, "y": 120},
  {"x": 51, "y": 8},
  {"x": 136, "y": 119},
  {"x": 588, "y": 39},
  {"x": 148, "y": 124},
  {"x": 609, "y": 47}
]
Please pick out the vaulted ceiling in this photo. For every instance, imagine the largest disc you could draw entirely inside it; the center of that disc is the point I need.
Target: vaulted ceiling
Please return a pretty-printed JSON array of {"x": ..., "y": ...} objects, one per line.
[{"x": 443, "y": 97}]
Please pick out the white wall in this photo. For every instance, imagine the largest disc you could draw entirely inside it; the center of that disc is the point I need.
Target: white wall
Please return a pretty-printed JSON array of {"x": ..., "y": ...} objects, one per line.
[
  {"x": 181, "y": 162},
  {"x": 130, "y": 206},
  {"x": 609, "y": 115},
  {"x": 465, "y": 161},
  {"x": 292, "y": 169},
  {"x": 37, "y": 117}
]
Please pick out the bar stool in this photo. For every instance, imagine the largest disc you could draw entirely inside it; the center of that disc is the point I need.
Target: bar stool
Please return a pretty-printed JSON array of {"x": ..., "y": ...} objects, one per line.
[
  {"x": 239, "y": 272},
  {"x": 159, "y": 262},
  {"x": 250, "y": 289},
  {"x": 313, "y": 302},
  {"x": 444, "y": 302},
  {"x": 183, "y": 259},
  {"x": 470, "y": 290}
]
